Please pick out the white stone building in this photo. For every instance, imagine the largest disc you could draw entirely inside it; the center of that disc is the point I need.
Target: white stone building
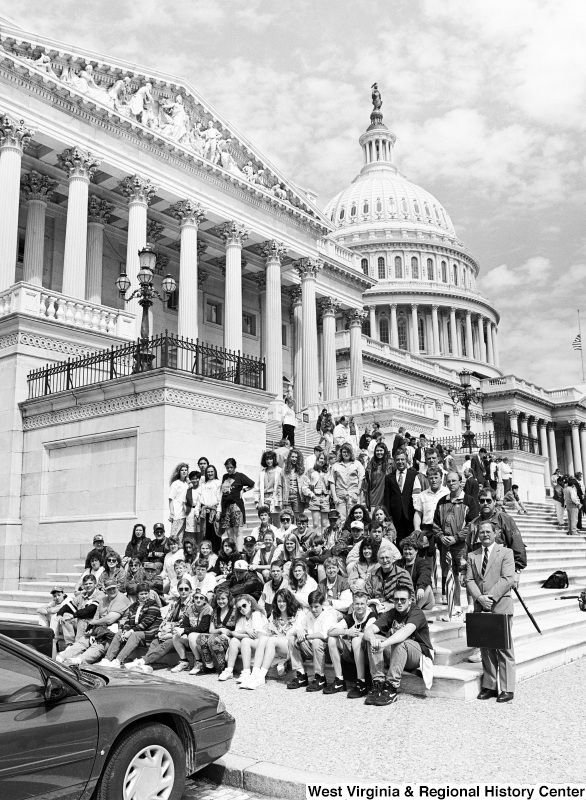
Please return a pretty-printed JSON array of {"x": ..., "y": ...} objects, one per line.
[{"x": 369, "y": 308}]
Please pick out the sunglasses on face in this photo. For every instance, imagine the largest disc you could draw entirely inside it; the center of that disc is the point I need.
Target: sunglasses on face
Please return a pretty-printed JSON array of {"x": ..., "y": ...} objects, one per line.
[
  {"x": 185, "y": 589},
  {"x": 285, "y": 519},
  {"x": 242, "y": 607},
  {"x": 400, "y": 600},
  {"x": 111, "y": 561},
  {"x": 485, "y": 500}
]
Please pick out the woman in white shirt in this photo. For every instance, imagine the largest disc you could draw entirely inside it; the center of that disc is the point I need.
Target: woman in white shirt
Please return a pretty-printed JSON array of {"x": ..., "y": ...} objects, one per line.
[
  {"x": 268, "y": 489},
  {"x": 300, "y": 583},
  {"x": 289, "y": 421},
  {"x": 346, "y": 477},
  {"x": 207, "y": 507},
  {"x": 251, "y": 624},
  {"x": 178, "y": 486},
  {"x": 317, "y": 490}
]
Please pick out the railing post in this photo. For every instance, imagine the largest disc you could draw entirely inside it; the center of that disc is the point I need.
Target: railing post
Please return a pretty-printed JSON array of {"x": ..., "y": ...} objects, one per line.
[
  {"x": 238, "y": 368},
  {"x": 196, "y": 362},
  {"x": 165, "y": 353},
  {"x": 112, "y": 363}
]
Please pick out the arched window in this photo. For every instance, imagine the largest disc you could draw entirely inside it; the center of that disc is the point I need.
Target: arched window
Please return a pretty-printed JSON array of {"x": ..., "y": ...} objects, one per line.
[
  {"x": 382, "y": 272},
  {"x": 416, "y": 207},
  {"x": 430, "y": 275},
  {"x": 437, "y": 216},
  {"x": 383, "y": 326},
  {"x": 365, "y": 207},
  {"x": 366, "y": 327},
  {"x": 404, "y": 206},
  {"x": 342, "y": 213},
  {"x": 444, "y": 272},
  {"x": 421, "y": 333},
  {"x": 379, "y": 205},
  {"x": 353, "y": 210},
  {"x": 398, "y": 267},
  {"x": 402, "y": 331},
  {"x": 392, "y": 205},
  {"x": 415, "y": 268},
  {"x": 364, "y": 265},
  {"x": 450, "y": 348},
  {"x": 455, "y": 274},
  {"x": 427, "y": 211},
  {"x": 463, "y": 338}
]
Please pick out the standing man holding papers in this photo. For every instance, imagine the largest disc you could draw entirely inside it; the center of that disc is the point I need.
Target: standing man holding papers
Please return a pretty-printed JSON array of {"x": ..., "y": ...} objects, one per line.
[{"x": 489, "y": 580}]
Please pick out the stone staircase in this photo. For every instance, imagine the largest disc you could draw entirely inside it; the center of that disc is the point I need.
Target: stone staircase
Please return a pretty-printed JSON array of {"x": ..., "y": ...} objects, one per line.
[
  {"x": 562, "y": 624},
  {"x": 306, "y": 436}
]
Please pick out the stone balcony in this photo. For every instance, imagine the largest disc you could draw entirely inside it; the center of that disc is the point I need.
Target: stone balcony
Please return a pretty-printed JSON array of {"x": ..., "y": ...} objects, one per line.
[
  {"x": 422, "y": 409},
  {"x": 510, "y": 383},
  {"x": 36, "y": 301}
]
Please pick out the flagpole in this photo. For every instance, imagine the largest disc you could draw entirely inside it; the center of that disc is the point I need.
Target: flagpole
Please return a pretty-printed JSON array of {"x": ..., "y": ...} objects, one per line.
[{"x": 581, "y": 345}]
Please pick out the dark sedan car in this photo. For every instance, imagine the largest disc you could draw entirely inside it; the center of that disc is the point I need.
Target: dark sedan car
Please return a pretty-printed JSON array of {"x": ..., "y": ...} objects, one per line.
[{"x": 65, "y": 732}]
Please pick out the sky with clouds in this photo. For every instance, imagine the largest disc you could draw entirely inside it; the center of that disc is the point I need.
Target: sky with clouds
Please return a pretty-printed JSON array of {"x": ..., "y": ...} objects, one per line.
[{"x": 488, "y": 102}]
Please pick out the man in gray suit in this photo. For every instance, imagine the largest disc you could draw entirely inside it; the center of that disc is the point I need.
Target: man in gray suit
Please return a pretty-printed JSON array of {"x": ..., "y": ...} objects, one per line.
[{"x": 489, "y": 579}]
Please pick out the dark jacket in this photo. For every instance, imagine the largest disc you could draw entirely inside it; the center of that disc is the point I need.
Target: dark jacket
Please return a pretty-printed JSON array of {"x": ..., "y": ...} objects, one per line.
[
  {"x": 479, "y": 469},
  {"x": 102, "y": 553},
  {"x": 420, "y": 572},
  {"x": 149, "y": 619},
  {"x": 138, "y": 550},
  {"x": 451, "y": 519},
  {"x": 251, "y": 585},
  {"x": 380, "y": 588},
  {"x": 400, "y": 504},
  {"x": 156, "y": 551},
  {"x": 195, "y": 621}
]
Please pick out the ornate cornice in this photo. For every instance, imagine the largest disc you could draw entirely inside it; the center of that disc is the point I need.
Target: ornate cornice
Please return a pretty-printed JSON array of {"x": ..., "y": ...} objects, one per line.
[
  {"x": 14, "y": 135},
  {"x": 350, "y": 278},
  {"x": 98, "y": 210},
  {"x": 137, "y": 189},
  {"x": 188, "y": 213},
  {"x": 78, "y": 163},
  {"x": 422, "y": 248},
  {"x": 46, "y": 343},
  {"x": 35, "y": 186},
  {"x": 155, "y": 397}
]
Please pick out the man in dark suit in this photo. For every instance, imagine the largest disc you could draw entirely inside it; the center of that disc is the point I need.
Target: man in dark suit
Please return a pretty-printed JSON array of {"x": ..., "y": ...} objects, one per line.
[
  {"x": 398, "y": 441},
  {"x": 489, "y": 579},
  {"x": 478, "y": 465},
  {"x": 400, "y": 486}
]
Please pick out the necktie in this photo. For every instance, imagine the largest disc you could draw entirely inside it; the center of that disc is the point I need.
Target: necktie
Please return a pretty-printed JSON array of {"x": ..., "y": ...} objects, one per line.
[
  {"x": 401, "y": 480},
  {"x": 484, "y": 562}
]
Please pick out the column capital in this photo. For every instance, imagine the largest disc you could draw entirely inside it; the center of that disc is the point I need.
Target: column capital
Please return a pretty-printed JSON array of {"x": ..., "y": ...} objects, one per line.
[
  {"x": 98, "y": 210},
  {"x": 189, "y": 213},
  {"x": 137, "y": 189},
  {"x": 414, "y": 306},
  {"x": 393, "y": 305},
  {"x": 468, "y": 313},
  {"x": 14, "y": 135},
  {"x": 78, "y": 163},
  {"x": 202, "y": 276},
  {"x": 355, "y": 316},
  {"x": 201, "y": 248},
  {"x": 295, "y": 292},
  {"x": 154, "y": 231},
  {"x": 161, "y": 263},
  {"x": 435, "y": 307},
  {"x": 513, "y": 414},
  {"x": 550, "y": 426},
  {"x": 260, "y": 279},
  {"x": 328, "y": 306},
  {"x": 573, "y": 423},
  {"x": 272, "y": 249},
  {"x": 342, "y": 380},
  {"x": 453, "y": 309},
  {"x": 35, "y": 186},
  {"x": 234, "y": 233},
  {"x": 308, "y": 267}
]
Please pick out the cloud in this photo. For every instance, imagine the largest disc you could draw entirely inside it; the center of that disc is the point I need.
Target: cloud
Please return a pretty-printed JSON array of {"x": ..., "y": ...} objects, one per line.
[{"x": 533, "y": 272}]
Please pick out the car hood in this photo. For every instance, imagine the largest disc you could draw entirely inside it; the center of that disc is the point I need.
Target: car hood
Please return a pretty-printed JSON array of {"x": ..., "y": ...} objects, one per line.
[{"x": 193, "y": 701}]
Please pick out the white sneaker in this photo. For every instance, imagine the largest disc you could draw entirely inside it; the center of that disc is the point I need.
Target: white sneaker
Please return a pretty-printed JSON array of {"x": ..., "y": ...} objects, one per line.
[
  {"x": 74, "y": 660},
  {"x": 105, "y": 662},
  {"x": 198, "y": 668},
  {"x": 475, "y": 657},
  {"x": 181, "y": 666},
  {"x": 146, "y": 669},
  {"x": 281, "y": 666},
  {"x": 225, "y": 675},
  {"x": 254, "y": 683},
  {"x": 115, "y": 664},
  {"x": 244, "y": 676},
  {"x": 457, "y": 616},
  {"x": 134, "y": 666}
]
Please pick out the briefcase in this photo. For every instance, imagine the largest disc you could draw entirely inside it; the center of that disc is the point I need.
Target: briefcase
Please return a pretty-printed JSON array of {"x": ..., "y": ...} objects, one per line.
[{"x": 489, "y": 630}]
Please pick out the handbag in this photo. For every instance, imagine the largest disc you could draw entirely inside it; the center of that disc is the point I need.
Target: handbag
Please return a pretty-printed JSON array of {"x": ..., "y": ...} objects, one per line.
[{"x": 491, "y": 631}]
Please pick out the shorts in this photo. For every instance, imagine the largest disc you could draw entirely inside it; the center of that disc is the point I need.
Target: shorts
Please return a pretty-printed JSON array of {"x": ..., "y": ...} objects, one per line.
[
  {"x": 346, "y": 649},
  {"x": 321, "y": 502},
  {"x": 231, "y": 518}
]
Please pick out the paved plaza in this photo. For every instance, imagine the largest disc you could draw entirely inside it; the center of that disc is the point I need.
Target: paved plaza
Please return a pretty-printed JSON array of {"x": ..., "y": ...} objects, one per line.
[
  {"x": 534, "y": 739},
  {"x": 200, "y": 789}
]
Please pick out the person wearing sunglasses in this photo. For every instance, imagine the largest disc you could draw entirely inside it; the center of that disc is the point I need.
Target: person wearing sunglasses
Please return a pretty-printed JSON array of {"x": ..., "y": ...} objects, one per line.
[
  {"x": 214, "y": 645},
  {"x": 287, "y": 524},
  {"x": 398, "y": 640},
  {"x": 251, "y": 624},
  {"x": 113, "y": 570}
]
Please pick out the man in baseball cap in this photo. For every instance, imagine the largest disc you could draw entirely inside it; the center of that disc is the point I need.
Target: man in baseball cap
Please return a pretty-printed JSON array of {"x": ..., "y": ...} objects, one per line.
[
  {"x": 249, "y": 549},
  {"x": 158, "y": 547},
  {"x": 99, "y": 549},
  {"x": 244, "y": 580}
]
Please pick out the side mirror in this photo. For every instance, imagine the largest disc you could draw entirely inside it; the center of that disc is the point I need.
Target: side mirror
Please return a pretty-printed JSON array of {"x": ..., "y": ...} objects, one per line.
[{"x": 55, "y": 689}]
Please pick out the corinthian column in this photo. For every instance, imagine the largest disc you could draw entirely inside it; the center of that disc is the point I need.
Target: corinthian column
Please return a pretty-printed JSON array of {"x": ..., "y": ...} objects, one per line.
[
  {"x": 14, "y": 137},
  {"x": 308, "y": 269},
  {"x": 234, "y": 234},
  {"x": 355, "y": 318},
  {"x": 80, "y": 166},
  {"x": 273, "y": 252},
  {"x": 414, "y": 330},
  {"x": 329, "y": 308},
  {"x": 481, "y": 341},
  {"x": 576, "y": 449},
  {"x": 139, "y": 192},
  {"x": 190, "y": 215},
  {"x": 489, "y": 347},
  {"x": 553, "y": 453},
  {"x": 469, "y": 342},
  {"x": 454, "y": 332},
  {"x": 38, "y": 190},
  {"x": 98, "y": 214},
  {"x": 495, "y": 345},
  {"x": 297, "y": 320},
  {"x": 435, "y": 330},
  {"x": 394, "y": 326}
]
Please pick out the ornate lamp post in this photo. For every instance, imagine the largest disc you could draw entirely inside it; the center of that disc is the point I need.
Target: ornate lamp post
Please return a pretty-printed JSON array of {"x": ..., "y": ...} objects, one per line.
[
  {"x": 465, "y": 394},
  {"x": 146, "y": 291}
]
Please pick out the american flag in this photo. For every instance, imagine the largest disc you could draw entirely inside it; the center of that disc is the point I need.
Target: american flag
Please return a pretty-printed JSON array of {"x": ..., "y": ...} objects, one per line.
[{"x": 577, "y": 343}]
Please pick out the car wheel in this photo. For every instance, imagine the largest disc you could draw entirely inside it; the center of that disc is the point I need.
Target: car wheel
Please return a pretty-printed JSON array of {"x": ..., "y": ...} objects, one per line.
[{"x": 148, "y": 763}]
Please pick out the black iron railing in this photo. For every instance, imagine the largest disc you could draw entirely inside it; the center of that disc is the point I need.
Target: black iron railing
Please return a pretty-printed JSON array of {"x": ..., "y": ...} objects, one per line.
[
  {"x": 165, "y": 351},
  {"x": 499, "y": 439}
]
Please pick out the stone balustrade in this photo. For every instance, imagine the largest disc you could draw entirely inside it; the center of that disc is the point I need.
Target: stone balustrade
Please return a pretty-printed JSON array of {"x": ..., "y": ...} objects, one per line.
[
  {"x": 381, "y": 401},
  {"x": 25, "y": 298},
  {"x": 509, "y": 383},
  {"x": 339, "y": 252}
]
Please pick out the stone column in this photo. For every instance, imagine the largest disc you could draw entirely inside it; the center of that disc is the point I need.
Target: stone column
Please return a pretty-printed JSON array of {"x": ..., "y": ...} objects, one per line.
[
  {"x": 189, "y": 214},
  {"x": 494, "y": 345},
  {"x": 139, "y": 192},
  {"x": 576, "y": 449},
  {"x": 98, "y": 214},
  {"x": 583, "y": 447},
  {"x": 80, "y": 166},
  {"x": 355, "y": 317},
  {"x": 469, "y": 342},
  {"x": 308, "y": 269},
  {"x": 490, "y": 354},
  {"x": 481, "y": 341},
  {"x": 329, "y": 308},
  {"x": 394, "y": 326},
  {"x": 569, "y": 459},
  {"x": 435, "y": 330},
  {"x": 273, "y": 251},
  {"x": 414, "y": 330},
  {"x": 524, "y": 428},
  {"x": 372, "y": 318},
  {"x": 514, "y": 425},
  {"x": 260, "y": 279},
  {"x": 553, "y": 455},
  {"x": 14, "y": 137},
  {"x": 545, "y": 452},
  {"x": 297, "y": 320},
  {"x": 38, "y": 190},
  {"x": 454, "y": 332},
  {"x": 234, "y": 234}
]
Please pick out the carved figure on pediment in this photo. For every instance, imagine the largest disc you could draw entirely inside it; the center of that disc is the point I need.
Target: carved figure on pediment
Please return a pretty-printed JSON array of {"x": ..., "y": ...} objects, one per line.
[
  {"x": 279, "y": 191},
  {"x": 119, "y": 94},
  {"x": 260, "y": 178},
  {"x": 248, "y": 172},
  {"x": 195, "y": 138},
  {"x": 85, "y": 83},
  {"x": 176, "y": 120},
  {"x": 211, "y": 137},
  {"x": 226, "y": 158},
  {"x": 137, "y": 103},
  {"x": 44, "y": 62}
]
